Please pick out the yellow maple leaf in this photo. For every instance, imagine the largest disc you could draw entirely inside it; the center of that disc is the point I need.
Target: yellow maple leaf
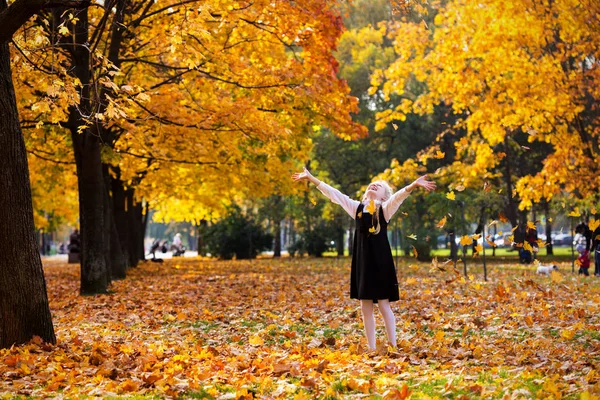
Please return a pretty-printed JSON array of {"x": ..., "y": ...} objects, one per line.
[
  {"x": 575, "y": 213},
  {"x": 594, "y": 224},
  {"x": 372, "y": 229},
  {"x": 439, "y": 336},
  {"x": 443, "y": 222},
  {"x": 439, "y": 154},
  {"x": 412, "y": 236},
  {"x": 527, "y": 246},
  {"x": 478, "y": 249},
  {"x": 63, "y": 30},
  {"x": 371, "y": 207},
  {"x": 531, "y": 226},
  {"x": 567, "y": 333},
  {"x": 256, "y": 340},
  {"x": 476, "y": 236},
  {"x": 556, "y": 277},
  {"x": 466, "y": 240},
  {"x": 450, "y": 195},
  {"x": 593, "y": 210}
]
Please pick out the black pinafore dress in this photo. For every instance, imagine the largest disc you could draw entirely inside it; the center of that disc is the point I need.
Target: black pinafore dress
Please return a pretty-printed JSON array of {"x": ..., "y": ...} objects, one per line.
[{"x": 373, "y": 274}]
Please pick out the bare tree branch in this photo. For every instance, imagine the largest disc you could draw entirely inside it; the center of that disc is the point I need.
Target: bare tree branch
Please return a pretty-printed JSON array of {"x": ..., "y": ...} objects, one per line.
[{"x": 17, "y": 14}]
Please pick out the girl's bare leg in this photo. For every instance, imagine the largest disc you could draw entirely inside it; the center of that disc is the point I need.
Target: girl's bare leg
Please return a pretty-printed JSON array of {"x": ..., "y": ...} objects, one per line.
[
  {"x": 366, "y": 307},
  {"x": 389, "y": 319}
]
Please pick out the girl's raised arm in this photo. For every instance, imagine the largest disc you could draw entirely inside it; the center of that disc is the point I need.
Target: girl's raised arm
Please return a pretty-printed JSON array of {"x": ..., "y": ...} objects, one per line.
[{"x": 337, "y": 197}]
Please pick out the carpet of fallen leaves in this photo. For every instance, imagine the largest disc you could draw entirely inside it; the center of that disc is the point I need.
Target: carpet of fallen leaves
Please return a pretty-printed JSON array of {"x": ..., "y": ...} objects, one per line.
[{"x": 287, "y": 329}]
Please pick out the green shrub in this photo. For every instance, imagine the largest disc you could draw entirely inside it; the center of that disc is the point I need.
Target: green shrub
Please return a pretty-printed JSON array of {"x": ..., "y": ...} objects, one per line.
[{"x": 237, "y": 235}]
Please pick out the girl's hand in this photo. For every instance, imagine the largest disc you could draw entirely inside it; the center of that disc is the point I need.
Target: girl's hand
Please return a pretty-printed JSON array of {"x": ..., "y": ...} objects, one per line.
[
  {"x": 424, "y": 183},
  {"x": 300, "y": 176}
]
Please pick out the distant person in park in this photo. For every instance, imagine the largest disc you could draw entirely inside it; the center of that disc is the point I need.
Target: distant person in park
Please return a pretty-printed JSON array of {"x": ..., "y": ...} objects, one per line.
[
  {"x": 74, "y": 242},
  {"x": 583, "y": 260},
  {"x": 523, "y": 234},
  {"x": 585, "y": 234},
  {"x": 177, "y": 241},
  {"x": 177, "y": 246},
  {"x": 373, "y": 274}
]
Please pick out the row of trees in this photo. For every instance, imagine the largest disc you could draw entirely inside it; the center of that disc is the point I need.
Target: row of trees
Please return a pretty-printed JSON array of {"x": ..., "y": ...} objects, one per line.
[
  {"x": 503, "y": 116},
  {"x": 191, "y": 107},
  {"x": 147, "y": 102}
]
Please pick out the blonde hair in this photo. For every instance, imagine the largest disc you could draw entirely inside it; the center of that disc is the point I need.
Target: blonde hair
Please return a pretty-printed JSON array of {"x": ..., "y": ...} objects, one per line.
[{"x": 388, "y": 193}]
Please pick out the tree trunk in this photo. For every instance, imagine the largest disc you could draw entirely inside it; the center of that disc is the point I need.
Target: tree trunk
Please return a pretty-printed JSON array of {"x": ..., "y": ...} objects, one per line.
[
  {"x": 277, "y": 244},
  {"x": 511, "y": 206},
  {"x": 453, "y": 246},
  {"x": 201, "y": 231},
  {"x": 549, "y": 249},
  {"x": 94, "y": 271},
  {"x": 351, "y": 238},
  {"x": 134, "y": 228},
  {"x": 340, "y": 242},
  {"x": 24, "y": 310},
  {"x": 108, "y": 249},
  {"x": 120, "y": 217},
  {"x": 117, "y": 261},
  {"x": 143, "y": 214}
]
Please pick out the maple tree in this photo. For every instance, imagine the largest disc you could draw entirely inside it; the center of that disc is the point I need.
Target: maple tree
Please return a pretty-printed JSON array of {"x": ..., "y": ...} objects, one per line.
[
  {"x": 522, "y": 72},
  {"x": 23, "y": 304},
  {"x": 247, "y": 81}
]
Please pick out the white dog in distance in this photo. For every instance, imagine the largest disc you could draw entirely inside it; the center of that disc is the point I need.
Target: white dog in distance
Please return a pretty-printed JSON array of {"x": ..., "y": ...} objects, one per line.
[{"x": 546, "y": 269}]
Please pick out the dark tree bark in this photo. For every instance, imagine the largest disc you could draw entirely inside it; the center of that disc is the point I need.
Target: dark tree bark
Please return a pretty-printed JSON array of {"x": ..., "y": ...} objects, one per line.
[
  {"x": 86, "y": 145},
  {"x": 137, "y": 228},
  {"x": 116, "y": 261},
  {"x": 351, "y": 237},
  {"x": 133, "y": 226},
  {"x": 201, "y": 231},
  {"x": 13, "y": 17},
  {"x": 143, "y": 215},
  {"x": 277, "y": 238},
  {"x": 24, "y": 310},
  {"x": 340, "y": 242},
  {"x": 511, "y": 206},
  {"x": 453, "y": 246},
  {"x": 120, "y": 217}
]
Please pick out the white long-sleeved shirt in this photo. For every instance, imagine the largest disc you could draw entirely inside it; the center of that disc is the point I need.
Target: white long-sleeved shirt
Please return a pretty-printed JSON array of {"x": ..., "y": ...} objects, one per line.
[{"x": 390, "y": 206}]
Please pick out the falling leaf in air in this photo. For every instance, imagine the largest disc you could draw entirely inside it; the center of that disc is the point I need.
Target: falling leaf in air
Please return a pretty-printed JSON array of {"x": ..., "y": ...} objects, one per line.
[
  {"x": 371, "y": 207},
  {"x": 466, "y": 240},
  {"x": 450, "y": 195},
  {"x": 441, "y": 223}
]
